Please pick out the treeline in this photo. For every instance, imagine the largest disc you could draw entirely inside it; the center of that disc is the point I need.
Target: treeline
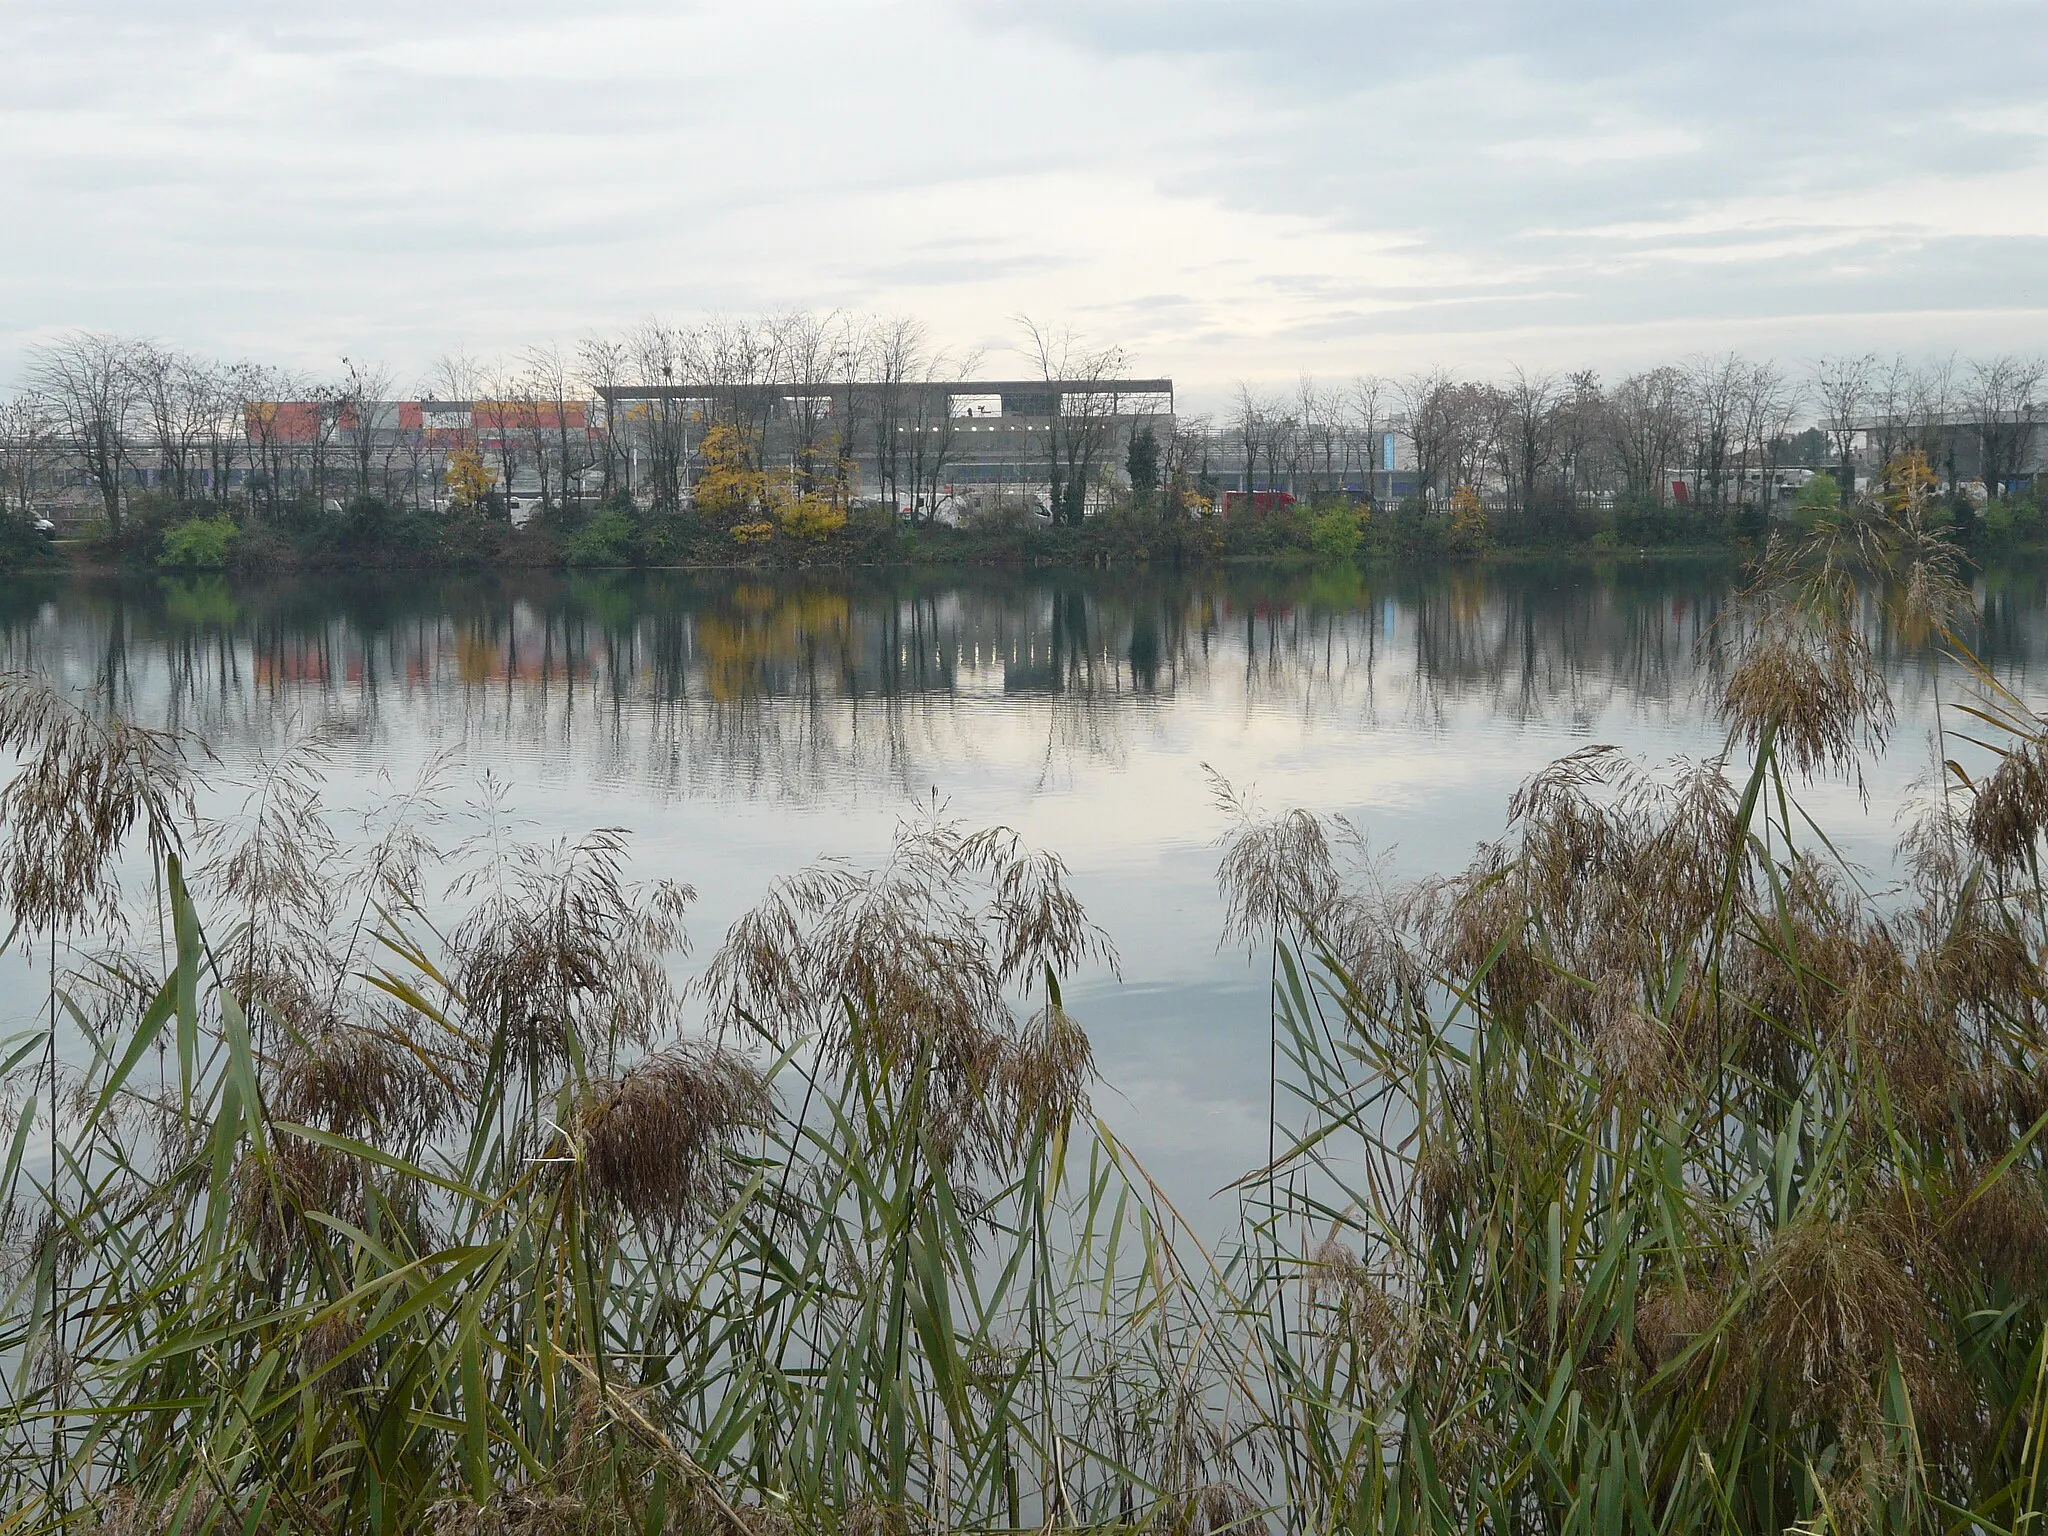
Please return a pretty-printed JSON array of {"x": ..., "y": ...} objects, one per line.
[
  {"x": 1718, "y": 425},
  {"x": 122, "y": 416},
  {"x": 189, "y": 461}
]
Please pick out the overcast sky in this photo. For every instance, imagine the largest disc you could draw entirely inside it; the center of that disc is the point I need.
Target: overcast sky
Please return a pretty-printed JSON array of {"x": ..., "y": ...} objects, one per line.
[{"x": 1232, "y": 189}]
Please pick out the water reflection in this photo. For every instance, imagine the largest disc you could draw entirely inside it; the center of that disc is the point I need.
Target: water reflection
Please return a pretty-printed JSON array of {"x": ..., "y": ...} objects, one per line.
[
  {"x": 743, "y": 725},
  {"x": 787, "y": 681},
  {"x": 790, "y": 687}
]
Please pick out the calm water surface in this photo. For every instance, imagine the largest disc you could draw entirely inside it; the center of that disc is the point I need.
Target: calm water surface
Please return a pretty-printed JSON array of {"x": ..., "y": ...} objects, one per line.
[{"x": 741, "y": 727}]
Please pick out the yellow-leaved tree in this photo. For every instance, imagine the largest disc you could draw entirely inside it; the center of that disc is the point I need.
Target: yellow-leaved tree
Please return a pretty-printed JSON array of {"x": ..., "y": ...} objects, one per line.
[
  {"x": 1908, "y": 482},
  {"x": 730, "y": 488},
  {"x": 1468, "y": 521},
  {"x": 469, "y": 480},
  {"x": 819, "y": 512}
]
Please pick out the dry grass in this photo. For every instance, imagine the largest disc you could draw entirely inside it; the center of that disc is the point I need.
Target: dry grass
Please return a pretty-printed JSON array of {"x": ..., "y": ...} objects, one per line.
[{"x": 652, "y": 1143}]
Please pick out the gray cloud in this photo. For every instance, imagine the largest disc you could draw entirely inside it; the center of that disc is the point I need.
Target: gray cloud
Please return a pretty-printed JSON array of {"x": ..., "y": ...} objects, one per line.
[{"x": 1232, "y": 186}]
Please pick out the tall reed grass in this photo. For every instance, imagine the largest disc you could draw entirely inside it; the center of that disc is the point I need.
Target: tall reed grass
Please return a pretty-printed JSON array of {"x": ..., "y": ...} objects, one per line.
[{"x": 1650, "y": 1174}]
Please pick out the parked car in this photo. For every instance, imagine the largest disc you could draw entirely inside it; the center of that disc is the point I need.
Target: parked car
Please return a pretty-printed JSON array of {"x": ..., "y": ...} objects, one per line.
[{"x": 43, "y": 525}]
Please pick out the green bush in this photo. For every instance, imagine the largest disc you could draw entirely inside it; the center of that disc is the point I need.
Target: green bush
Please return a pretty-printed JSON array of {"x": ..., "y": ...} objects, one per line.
[
  {"x": 199, "y": 544},
  {"x": 2010, "y": 519},
  {"x": 1823, "y": 493},
  {"x": 610, "y": 538},
  {"x": 1334, "y": 534}
]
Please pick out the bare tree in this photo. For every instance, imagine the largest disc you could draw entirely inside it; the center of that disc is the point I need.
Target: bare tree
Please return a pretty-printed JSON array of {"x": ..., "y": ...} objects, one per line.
[
  {"x": 500, "y": 421},
  {"x": 1893, "y": 386},
  {"x": 550, "y": 380},
  {"x": 1714, "y": 390},
  {"x": 1082, "y": 420},
  {"x": 603, "y": 365},
  {"x": 28, "y": 438},
  {"x": 740, "y": 359},
  {"x": 661, "y": 359},
  {"x": 932, "y": 428},
  {"x": 223, "y": 387},
  {"x": 411, "y": 440},
  {"x": 2004, "y": 395},
  {"x": 814, "y": 354},
  {"x": 1581, "y": 414},
  {"x": 272, "y": 425},
  {"x": 1367, "y": 399},
  {"x": 1768, "y": 404},
  {"x": 1318, "y": 430},
  {"x": 365, "y": 414},
  {"x": 1646, "y": 426},
  {"x": 895, "y": 358},
  {"x": 175, "y": 393},
  {"x": 89, "y": 378},
  {"x": 1934, "y": 428},
  {"x": 533, "y": 417},
  {"x": 329, "y": 406},
  {"x": 1526, "y": 416},
  {"x": 1184, "y": 463},
  {"x": 1250, "y": 427},
  {"x": 1843, "y": 387},
  {"x": 1280, "y": 442},
  {"x": 1430, "y": 420}
]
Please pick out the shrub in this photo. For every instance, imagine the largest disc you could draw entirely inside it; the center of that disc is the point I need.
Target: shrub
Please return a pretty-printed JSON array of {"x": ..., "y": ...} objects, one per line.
[
  {"x": 812, "y": 519},
  {"x": 1334, "y": 534},
  {"x": 1823, "y": 493},
  {"x": 999, "y": 513},
  {"x": 21, "y": 547},
  {"x": 610, "y": 538},
  {"x": 199, "y": 544},
  {"x": 367, "y": 521},
  {"x": 1468, "y": 521}
]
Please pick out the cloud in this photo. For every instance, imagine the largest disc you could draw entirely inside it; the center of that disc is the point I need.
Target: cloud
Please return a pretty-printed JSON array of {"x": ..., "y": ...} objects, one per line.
[{"x": 1231, "y": 188}]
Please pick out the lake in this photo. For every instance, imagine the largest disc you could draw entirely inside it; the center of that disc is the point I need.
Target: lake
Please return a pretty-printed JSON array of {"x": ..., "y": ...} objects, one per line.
[{"x": 742, "y": 726}]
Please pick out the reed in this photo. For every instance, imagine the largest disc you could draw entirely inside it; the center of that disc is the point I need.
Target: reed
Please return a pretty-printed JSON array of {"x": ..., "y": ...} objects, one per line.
[{"x": 1648, "y": 1174}]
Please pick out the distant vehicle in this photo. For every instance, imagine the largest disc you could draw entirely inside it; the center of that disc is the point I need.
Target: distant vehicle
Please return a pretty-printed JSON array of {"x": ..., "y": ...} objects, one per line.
[{"x": 42, "y": 525}]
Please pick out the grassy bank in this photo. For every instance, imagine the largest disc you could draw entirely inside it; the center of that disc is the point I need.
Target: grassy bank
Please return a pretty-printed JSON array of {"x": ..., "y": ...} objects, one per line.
[{"x": 1648, "y": 1174}]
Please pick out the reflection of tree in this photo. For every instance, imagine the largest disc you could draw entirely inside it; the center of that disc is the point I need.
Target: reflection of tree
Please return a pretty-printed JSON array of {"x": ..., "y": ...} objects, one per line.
[
  {"x": 789, "y": 687},
  {"x": 755, "y": 643}
]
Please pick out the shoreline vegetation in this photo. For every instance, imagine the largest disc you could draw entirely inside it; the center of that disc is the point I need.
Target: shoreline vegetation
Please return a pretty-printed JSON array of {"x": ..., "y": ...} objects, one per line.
[
  {"x": 1647, "y": 1174},
  {"x": 800, "y": 439},
  {"x": 371, "y": 535}
]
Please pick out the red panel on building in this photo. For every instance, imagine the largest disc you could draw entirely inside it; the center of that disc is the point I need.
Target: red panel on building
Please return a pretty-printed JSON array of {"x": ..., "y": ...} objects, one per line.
[
  {"x": 282, "y": 421},
  {"x": 528, "y": 415}
]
